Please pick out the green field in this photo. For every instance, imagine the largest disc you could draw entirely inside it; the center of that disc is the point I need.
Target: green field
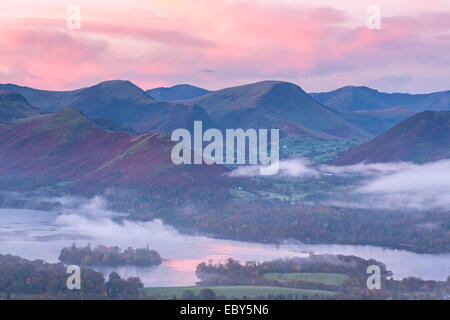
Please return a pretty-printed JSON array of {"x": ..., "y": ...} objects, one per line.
[
  {"x": 318, "y": 150},
  {"x": 334, "y": 279},
  {"x": 235, "y": 291}
]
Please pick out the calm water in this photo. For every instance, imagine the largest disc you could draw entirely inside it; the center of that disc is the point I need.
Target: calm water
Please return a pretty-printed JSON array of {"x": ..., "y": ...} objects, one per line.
[{"x": 36, "y": 234}]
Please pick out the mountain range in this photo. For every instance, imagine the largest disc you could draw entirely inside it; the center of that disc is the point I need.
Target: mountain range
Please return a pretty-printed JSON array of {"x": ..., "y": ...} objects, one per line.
[
  {"x": 117, "y": 100},
  {"x": 268, "y": 104},
  {"x": 307, "y": 127},
  {"x": 304, "y": 124}
]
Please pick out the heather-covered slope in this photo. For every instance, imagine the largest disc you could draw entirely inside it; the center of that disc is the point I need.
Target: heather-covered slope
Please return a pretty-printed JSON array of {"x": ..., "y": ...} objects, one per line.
[
  {"x": 65, "y": 147},
  {"x": 112, "y": 125},
  {"x": 178, "y": 92},
  {"x": 14, "y": 106},
  {"x": 421, "y": 138}
]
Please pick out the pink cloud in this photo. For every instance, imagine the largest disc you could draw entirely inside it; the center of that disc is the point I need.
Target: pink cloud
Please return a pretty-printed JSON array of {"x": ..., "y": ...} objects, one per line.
[{"x": 241, "y": 42}]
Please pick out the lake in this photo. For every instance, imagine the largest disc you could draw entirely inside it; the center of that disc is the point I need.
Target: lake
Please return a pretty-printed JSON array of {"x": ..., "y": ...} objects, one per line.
[{"x": 36, "y": 234}]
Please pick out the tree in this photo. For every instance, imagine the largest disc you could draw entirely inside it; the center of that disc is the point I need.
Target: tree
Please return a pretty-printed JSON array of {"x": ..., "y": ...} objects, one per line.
[
  {"x": 114, "y": 286},
  {"x": 188, "y": 295},
  {"x": 207, "y": 294}
]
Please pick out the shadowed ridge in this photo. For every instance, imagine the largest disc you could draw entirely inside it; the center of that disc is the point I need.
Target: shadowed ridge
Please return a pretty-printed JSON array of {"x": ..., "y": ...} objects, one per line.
[
  {"x": 421, "y": 138},
  {"x": 15, "y": 106}
]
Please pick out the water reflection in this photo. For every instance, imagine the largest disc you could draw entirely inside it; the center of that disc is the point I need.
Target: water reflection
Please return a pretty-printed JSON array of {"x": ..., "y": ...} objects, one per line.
[{"x": 41, "y": 235}]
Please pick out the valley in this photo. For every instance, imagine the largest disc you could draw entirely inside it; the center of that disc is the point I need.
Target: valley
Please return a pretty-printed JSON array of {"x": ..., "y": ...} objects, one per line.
[{"x": 98, "y": 176}]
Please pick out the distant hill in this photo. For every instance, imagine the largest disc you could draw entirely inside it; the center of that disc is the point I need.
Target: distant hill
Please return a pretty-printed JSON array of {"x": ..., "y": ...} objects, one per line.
[
  {"x": 377, "y": 121},
  {"x": 178, "y": 92},
  {"x": 275, "y": 104},
  {"x": 68, "y": 148},
  {"x": 421, "y": 138},
  {"x": 15, "y": 106},
  {"x": 353, "y": 98},
  {"x": 91, "y": 100},
  {"x": 120, "y": 101},
  {"x": 378, "y": 111},
  {"x": 43, "y": 99}
]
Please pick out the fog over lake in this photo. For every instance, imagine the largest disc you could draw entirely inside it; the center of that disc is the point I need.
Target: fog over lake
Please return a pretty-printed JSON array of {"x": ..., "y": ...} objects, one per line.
[{"x": 36, "y": 234}]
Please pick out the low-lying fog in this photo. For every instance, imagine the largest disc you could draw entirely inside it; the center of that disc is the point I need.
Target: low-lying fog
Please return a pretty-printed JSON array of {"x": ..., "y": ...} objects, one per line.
[
  {"x": 396, "y": 185},
  {"x": 36, "y": 234}
]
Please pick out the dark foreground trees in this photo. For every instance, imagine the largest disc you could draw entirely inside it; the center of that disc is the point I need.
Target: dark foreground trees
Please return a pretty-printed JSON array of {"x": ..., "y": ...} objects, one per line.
[{"x": 25, "y": 279}]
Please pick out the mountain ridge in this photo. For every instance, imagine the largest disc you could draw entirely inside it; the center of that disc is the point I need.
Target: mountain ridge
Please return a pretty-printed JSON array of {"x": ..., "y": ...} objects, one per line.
[
  {"x": 177, "y": 92},
  {"x": 259, "y": 105},
  {"x": 120, "y": 101},
  {"x": 354, "y": 98}
]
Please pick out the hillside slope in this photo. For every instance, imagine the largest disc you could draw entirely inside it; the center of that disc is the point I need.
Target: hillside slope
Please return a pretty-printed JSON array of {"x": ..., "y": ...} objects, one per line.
[
  {"x": 15, "y": 106},
  {"x": 421, "y": 138},
  {"x": 66, "y": 147}
]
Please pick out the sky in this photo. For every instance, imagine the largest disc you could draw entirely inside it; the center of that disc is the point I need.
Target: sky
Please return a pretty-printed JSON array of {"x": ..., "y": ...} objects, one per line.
[{"x": 320, "y": 45}]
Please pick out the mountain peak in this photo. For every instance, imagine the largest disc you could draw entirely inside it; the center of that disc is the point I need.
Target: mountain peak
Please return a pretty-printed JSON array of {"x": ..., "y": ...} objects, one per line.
[
  {"x": 248, "y": 92},
  {"x": 114, "y": 83},
  {"x": 122, "y": 89},
  {"x": 275, "y": 104},
  {"x": 357, "y": 91},
  {"x": 363, "y": 88},
  {"x": 177, "y": 92}
]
